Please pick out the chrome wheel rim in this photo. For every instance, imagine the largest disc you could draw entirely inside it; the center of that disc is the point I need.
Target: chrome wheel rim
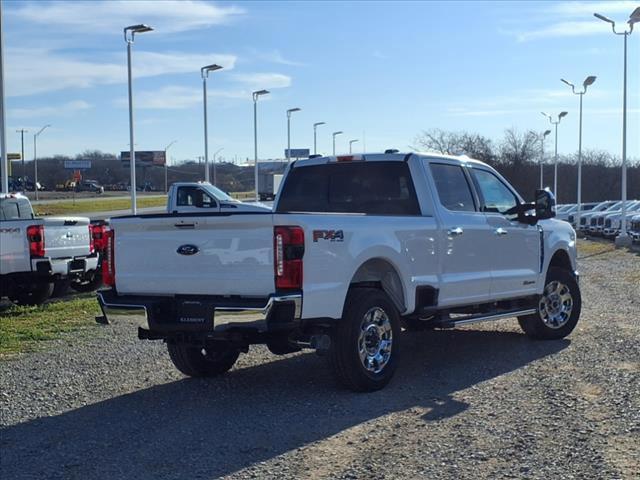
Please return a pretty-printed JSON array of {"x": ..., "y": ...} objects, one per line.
[
  {"x": 375, "y": 340},
  {"x": 556, "y": 305}
]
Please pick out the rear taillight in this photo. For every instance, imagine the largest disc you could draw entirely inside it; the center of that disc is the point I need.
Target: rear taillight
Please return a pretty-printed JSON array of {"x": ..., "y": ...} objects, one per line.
[
  {"x": 108, "y": 261},
  {"x": 35, "y": 236},
  {"x": 288, "y": 247},
  {"x": 92, "y": 246},
  {"x": 98, "y": 236}
]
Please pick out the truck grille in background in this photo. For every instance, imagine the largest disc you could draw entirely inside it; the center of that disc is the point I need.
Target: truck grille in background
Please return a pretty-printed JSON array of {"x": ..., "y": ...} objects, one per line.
[{"x": 607, "y": 223}]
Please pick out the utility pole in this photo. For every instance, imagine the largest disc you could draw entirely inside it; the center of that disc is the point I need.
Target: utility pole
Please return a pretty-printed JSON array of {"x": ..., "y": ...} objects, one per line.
[
  {"x": 22, "y": 131},
  {"x": 4, "y": 166}
]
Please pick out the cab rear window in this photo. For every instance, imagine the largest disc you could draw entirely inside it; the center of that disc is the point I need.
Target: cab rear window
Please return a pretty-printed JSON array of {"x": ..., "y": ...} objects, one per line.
[
  {"x": 15, "y": 209},
  {"x": 375, "y": 188}
]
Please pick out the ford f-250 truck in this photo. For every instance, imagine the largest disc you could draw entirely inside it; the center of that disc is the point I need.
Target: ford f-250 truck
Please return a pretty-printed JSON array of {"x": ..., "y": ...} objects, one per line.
[
  {"x": 37, "y": 252},
  {"x": 202, "y": 197},
  {"x": 356, "y": 248}
]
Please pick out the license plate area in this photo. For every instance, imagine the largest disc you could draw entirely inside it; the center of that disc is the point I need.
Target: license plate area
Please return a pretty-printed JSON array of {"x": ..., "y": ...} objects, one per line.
[
  {"x": 196, "y": 313},
  {"x": 77, "y": 265}
]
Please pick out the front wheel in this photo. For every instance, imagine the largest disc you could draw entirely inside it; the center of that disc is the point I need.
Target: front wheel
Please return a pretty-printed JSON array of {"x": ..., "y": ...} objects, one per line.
[
  {"x": 202, "y": 361},
  {"x": 364, "y": 346},
  {"x": 558, "y": 308}
]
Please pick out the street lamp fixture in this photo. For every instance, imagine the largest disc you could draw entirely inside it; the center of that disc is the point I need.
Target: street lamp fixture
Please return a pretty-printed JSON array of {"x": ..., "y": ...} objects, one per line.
[
  {"x": 166, "y": 167},
  {"x": 315, "y": 143},
  {"x": 214, "y": 164},
  {"x": 289, "y": 112},
  {"x": 334, "y": 140},
  {"x": 542, "y": 139},
  {"x": 587, "y": 81},
  {"x": 561, "y": 115},
  {"x": 204, "y": 72},
  {"x": 623, "y": 238},
  {"x": 351, "y": 142},
  {"x": 255, "y": 95},
  {"x": 35, "y": 158},
  {"x": 129, "y": 36}
]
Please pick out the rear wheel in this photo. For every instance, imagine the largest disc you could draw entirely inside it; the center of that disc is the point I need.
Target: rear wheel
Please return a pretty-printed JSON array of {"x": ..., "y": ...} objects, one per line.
[
  {"x": 558, "y": 308},
  {"x": 202, "y": 361},
  {"x": 364, "y": 346},
  {"x": 31, "y": 293}
]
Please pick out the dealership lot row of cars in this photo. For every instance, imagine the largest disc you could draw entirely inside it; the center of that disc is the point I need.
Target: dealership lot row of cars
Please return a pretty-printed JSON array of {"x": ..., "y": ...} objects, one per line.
[{"x": 603, "y": 219}]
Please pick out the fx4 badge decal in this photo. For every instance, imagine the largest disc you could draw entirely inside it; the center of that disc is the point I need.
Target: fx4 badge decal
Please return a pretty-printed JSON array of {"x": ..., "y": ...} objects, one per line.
[{"x": 331, "y": 235}]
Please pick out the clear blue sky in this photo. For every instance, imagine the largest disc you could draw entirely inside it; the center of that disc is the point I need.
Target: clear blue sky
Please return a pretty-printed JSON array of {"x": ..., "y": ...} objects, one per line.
[{"x": 387, "y": 69}]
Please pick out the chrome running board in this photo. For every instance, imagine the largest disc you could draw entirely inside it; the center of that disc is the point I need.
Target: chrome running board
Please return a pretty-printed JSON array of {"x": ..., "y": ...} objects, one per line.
[{"x": 451, "y": 322}]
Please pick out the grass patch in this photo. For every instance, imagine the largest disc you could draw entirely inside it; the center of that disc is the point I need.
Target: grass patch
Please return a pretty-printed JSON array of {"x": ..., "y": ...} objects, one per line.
[
  {"x": 587, "y": 248},
  {"x": 99, "y": 205},
  {"x": 25, "y": 329}
]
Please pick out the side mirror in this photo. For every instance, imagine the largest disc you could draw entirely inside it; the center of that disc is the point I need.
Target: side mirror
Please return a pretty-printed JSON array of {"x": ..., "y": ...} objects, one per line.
[{"x": 545, "y": 204}]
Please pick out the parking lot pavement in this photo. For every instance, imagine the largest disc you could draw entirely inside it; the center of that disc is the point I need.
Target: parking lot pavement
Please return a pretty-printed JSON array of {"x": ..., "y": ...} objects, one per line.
[{"x": 479, "y": 402}]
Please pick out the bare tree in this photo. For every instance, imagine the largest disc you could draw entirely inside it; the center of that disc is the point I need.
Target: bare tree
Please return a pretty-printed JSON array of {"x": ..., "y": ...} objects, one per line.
[
  {"x": 456, "y": 143},
  {"x": 519, "y": 148}
]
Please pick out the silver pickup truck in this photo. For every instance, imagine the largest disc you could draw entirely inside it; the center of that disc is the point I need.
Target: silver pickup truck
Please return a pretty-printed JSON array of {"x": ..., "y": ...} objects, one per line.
[{"x": 37, "y": 252}]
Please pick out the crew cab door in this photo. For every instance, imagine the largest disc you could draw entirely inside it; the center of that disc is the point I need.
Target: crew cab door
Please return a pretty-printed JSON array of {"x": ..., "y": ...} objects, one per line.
[
  {"x": 515, "y": 246},
  {"x": 465, "y": 264},
  {"x": 193, "y": 199}
]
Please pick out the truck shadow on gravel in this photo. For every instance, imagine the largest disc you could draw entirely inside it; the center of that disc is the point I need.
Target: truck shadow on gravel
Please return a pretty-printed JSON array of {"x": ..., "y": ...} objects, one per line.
[{"x": 208, "y": 428}]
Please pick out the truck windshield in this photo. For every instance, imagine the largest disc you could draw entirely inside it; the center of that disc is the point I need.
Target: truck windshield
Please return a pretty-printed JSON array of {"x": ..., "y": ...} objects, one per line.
[{"x": 376, "y": 188}]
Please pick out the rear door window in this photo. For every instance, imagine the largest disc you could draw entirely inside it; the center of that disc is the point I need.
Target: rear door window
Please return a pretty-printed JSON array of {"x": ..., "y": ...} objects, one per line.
[
  {"x": 375, "y": 188},
  {"x": 453, "y": 188}
]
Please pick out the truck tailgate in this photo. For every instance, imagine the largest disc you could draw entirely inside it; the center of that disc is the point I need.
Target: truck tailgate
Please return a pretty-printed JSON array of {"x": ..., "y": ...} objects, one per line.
[
  {"x": 66, "y": 237},
  {"x": 195, "y": 255}
]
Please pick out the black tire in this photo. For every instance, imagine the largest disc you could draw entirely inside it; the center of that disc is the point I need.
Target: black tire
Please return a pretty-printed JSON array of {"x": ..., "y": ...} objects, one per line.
[
  {"x": 91, "y": 282},
  {"x": 536, "y": 327},
  {"x": 201, "y": 362},
  {"x": 348, "y": 338},
  {"x": 31, "y": 294}
]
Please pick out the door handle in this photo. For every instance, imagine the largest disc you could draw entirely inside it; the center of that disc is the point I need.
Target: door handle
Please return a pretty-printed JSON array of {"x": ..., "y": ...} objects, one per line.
[
  {"x": 455, "y": 232},
  {"x": 501, "y": 231},
  {"x": 185, "y": 225}
]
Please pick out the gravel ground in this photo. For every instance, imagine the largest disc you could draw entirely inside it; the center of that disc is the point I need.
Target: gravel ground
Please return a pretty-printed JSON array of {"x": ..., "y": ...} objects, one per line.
[{"x": 478, "y": 402}]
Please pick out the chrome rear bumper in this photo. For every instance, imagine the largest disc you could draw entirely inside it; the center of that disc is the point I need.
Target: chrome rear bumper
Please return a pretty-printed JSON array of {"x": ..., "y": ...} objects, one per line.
[{"x": 156, "y": 313}]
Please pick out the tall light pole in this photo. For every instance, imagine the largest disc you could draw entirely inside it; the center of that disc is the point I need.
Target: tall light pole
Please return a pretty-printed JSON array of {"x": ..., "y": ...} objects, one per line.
[
  {"x": 215, "y": 180},
  {"x": 542, "y": 139},
  {"x": 4, "y": 166},
  {"x": 166, "y": 167},
  {"x": 204, "y": 72},
  {"x": 623, "y": 238},
  {"x": 35, "y": 158},
  {"x": 587, "y": 82},
  {"x": 334, "y": 140},
  {"x": 129, "y": 37},
  {"x": 351, "y": 142},
  {"x": 289, "y": 112},
  {"x": 256, "y": 95},
  {"x": 315, "y": 131},
  {"x": 22, "y": 131},
  {"x": 555, "y": 161}
]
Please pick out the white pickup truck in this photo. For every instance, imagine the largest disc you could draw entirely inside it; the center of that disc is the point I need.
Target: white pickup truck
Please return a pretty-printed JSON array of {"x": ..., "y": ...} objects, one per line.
[
  {"x": 202, "y": 197},
  {"x": 37, "y": 252},
  {"x": 356, "y": 248}
]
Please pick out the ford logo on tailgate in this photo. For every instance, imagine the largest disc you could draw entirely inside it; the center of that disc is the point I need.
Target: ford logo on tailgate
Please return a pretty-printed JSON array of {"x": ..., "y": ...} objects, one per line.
[{"x": 188, "y": 250}]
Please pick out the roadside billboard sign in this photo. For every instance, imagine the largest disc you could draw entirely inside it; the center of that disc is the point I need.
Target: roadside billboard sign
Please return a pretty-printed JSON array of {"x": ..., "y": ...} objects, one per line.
[
  {"x": 77, "y": 164},
  {"x": 145, "y": 158},
  {"x": 297, "y": 153}
]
